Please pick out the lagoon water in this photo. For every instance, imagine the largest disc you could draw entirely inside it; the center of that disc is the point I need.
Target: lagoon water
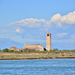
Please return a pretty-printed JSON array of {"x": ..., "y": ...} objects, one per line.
[{"x": 38, "y": 67}]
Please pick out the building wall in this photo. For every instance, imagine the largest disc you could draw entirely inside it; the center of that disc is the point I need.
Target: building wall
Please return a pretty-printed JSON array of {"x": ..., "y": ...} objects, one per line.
[
  {"x": 34, "y": 46},
  {"x": 48, "y": 41}
]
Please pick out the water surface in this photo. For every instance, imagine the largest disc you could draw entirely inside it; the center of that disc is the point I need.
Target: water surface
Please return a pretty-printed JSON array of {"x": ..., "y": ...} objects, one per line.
[{"x": 38, "y": 67}]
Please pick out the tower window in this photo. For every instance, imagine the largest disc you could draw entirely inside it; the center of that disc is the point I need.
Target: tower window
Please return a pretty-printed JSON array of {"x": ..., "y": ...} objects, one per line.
[{"x": 47, "y": 34}]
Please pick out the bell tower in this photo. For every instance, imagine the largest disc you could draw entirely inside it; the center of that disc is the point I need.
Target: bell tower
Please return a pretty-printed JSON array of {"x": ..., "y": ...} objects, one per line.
[{"x": 48, "y": 41}]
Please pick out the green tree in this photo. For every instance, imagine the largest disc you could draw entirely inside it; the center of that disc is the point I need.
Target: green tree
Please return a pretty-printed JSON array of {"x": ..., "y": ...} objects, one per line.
[
  {"x": 10, "y": 51},
  {"x": 55, "y": 49},
  {"x": 21, "y": 50},
  {"x": 5, "y": 50}
]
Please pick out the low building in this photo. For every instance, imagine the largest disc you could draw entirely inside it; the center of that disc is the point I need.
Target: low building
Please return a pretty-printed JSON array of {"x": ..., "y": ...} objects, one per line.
[
  {"x": 34, "y": 47},
  {"x": 14, "y": 48}
]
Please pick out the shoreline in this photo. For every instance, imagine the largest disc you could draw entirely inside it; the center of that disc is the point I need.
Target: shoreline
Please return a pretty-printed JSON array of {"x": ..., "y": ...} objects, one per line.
[
  {"x": 23, "y": 56},
  {"x": 38, "y": 58}
]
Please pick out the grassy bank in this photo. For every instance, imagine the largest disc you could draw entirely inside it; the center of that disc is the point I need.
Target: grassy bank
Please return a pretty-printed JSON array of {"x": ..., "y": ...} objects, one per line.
[{"x": 37, "y": 55}]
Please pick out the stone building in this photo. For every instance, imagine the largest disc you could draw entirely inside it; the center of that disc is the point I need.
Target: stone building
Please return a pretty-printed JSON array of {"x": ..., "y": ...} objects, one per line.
[
  {"x": 48, "y": 41},
  {"x": 14, "y": 48},
  {"x": 34, "y": 46}
]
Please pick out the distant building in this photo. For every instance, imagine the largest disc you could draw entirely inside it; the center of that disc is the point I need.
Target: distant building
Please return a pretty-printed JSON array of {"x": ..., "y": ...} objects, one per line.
[
  {"x": 14, "y": 48},
  {"x": 48, "y": 41},
  {"x": 34, "y": 46}
]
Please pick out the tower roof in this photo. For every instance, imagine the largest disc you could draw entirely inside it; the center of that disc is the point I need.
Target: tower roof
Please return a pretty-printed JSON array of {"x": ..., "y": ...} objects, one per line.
[{"x": 13, "y": 47}]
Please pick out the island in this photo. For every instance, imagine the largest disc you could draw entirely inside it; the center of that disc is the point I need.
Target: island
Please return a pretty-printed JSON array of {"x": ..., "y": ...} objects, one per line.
[
  {"x": 7, "y": 54},
  {"x": 36, "y": 51}
]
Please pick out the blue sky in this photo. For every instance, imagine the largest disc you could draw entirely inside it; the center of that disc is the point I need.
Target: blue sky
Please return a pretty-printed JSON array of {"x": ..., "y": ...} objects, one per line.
[{"x": 28, "y": 21}]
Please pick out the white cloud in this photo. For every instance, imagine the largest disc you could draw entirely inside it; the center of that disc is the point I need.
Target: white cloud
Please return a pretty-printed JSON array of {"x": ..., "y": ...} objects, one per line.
[
  {"x": 73, "y": 36},
  {"x": 18, "y": 30},
  {"x": 56, "y": 21},
  {"x": 30, "y": 22},
  {"x": 59, "y": 20},
  {"x": 69, "y": 40},
  {"x": 60, "y": 35},
  {"x": 64, "y": 41}
]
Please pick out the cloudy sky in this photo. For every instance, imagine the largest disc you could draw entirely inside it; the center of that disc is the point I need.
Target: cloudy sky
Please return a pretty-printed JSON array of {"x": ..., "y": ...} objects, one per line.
[{"x": 28, "y": 21}]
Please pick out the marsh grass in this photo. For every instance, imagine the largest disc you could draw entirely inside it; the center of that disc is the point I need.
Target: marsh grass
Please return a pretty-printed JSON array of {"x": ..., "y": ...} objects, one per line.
[{"x": 33, "y": 54}]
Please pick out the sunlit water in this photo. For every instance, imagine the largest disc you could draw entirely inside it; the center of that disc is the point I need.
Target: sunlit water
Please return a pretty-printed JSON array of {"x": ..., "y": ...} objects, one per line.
[{"x": 38, "y": 67}]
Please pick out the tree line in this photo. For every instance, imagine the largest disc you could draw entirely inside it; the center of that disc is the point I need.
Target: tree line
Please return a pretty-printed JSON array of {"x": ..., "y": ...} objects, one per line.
[{"x": 36, "y": 51}]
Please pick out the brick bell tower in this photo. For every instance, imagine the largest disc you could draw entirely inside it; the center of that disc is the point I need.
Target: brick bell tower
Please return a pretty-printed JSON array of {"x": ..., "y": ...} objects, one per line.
[{"x": 48, "y": 41}]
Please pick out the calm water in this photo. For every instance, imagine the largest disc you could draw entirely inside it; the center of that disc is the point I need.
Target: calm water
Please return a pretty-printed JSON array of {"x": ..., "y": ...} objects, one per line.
[{"x": 38, "y": 67}]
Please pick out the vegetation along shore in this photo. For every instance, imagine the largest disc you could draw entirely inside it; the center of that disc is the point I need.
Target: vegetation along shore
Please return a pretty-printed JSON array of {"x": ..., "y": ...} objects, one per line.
[{"x": 6, "y": 54}]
